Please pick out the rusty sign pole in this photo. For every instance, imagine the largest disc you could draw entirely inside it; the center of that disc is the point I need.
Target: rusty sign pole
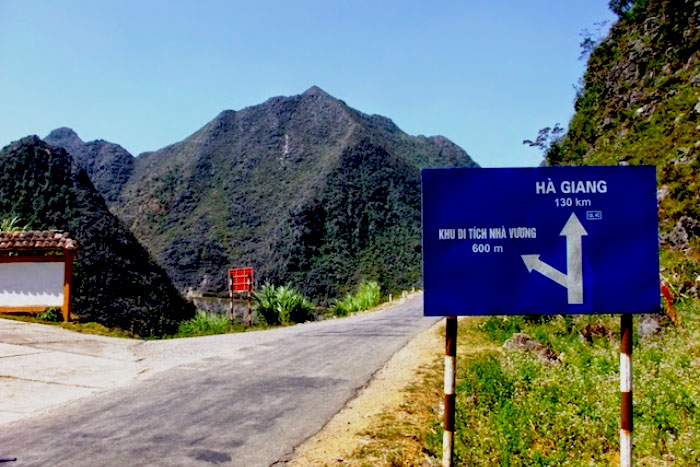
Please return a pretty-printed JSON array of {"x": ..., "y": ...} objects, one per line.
[
  {"x": 250, "y": 299},
  {"x": 250, "y": 306},
  {"x": 230, "y": 293},
  {"x": 448, "y": 437},
  {"x": 626, "y": 427}
]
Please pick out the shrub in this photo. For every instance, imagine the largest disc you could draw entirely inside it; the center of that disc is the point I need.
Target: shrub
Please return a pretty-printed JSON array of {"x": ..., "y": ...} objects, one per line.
[
  {"x": 51, "y": 314},
  {"x": 368, "y": 295},
  {"x": 282, "y": 305}
]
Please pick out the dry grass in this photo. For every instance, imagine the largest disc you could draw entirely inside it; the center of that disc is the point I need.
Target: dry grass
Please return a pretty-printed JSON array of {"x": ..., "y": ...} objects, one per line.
[{"x": 382, "y": 426}]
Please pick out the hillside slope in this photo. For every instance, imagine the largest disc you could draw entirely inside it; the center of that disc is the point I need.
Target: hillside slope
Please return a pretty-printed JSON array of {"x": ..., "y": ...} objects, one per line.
[
  {"x": 640, "y": 104},
  {"x": 116, "y": 281},
  {"x": 304, "y": 188}
]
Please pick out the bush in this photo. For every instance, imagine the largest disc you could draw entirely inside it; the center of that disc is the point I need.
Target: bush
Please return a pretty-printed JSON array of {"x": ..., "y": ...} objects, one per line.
[
  {"x": 282, "y": 305},
  {"x": 368, "y": 295},
  {"x": 51, "y": 314}
]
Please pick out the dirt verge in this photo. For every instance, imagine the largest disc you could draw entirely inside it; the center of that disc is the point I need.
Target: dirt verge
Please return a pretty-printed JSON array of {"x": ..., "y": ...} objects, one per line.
[{"x": 350, "y": 430}]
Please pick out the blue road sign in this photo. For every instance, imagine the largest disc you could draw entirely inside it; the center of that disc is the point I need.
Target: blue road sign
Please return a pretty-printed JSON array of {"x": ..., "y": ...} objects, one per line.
[{"x": 548, "y": 240}]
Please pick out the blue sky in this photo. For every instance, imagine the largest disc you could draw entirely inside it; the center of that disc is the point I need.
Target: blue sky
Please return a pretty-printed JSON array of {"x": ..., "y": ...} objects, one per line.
[{"x": 145, "y": 74}]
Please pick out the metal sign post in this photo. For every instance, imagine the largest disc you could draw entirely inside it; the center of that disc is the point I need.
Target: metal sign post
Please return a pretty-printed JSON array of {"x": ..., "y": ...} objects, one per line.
[
  {"x": 448, "y": 436},
  {"x": 230, "y": 294},
  {"x": 547, "y": 241},
  {"x": 250, "y": 308},
  {"x": 626, "y": 390}
]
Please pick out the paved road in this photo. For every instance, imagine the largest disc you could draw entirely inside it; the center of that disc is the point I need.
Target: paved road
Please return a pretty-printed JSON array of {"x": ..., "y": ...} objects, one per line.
[{"x": 250, "y": 407}]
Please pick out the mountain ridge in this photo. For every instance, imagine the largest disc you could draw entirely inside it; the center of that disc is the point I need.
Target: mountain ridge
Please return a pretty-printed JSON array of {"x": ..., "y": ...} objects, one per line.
[
  {"x": 268, "y": 167},
  {"x": 250, "y": 186},
  {"x": 107, "y": 164}
]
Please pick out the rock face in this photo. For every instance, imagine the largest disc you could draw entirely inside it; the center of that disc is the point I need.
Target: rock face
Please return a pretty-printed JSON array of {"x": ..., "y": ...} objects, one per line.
[
  {"x": 686, "y": 229},
  {"x": 107, "y": 164},
  {"x": 116, "y": 281},
  {"x": 639, "y": 105},
  {"x": 305, "y": 189},
  {"x": 523, "y": 342}
]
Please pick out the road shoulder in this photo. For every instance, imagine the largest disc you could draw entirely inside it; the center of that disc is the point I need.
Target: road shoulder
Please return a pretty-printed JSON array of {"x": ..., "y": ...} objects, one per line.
[{"x": 347, "y": 431}]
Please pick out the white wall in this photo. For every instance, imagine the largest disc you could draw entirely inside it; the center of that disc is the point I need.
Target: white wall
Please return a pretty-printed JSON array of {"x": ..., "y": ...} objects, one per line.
[{"x": 31, "y": 284}]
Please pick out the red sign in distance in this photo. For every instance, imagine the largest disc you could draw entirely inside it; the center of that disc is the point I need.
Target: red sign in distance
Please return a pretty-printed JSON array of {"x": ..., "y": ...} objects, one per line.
[{"x": 241, "y": 280}]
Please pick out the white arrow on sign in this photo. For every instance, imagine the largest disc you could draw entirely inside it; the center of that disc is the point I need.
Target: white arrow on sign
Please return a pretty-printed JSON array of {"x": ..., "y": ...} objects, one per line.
[{"x": 573, "y": 280}]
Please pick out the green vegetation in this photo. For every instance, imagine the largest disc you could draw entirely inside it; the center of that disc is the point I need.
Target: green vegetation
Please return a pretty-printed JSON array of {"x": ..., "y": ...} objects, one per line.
[
  {"x": 107, "y": 164},
  {"x": 202, "y": 324},
  {"x": 11, "y": 224},
  {"x": 282, "y": 305},
  {"x": 681, "y": 272},
  {"x": 512, "y": 409},
  {"x": 368, "y": 295},
  {"x": 640, "y": 102},
  {"x": 50, "y": 314},
  {"x": 205, "y": 324}
]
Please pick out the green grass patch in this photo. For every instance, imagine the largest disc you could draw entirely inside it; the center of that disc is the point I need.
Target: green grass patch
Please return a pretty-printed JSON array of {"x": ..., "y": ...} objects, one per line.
[
  {"x": 514, "y": 410},
  {"x": 206, "y": 324},
  {"x": 368, "y": 296}
]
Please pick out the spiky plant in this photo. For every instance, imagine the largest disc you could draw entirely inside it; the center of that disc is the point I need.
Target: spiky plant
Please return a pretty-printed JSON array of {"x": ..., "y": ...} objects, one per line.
[
  {"x": 282, "y": 305},
  {"x": 11, "y": 224}
]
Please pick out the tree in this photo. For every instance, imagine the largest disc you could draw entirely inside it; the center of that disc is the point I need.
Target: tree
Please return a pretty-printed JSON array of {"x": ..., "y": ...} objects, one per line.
[
  {"x": 546, "y": 137},
  {"x": 621, "y": 7}
]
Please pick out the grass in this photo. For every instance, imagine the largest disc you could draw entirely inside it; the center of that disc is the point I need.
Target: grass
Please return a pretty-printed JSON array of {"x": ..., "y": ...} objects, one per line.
[
  {"x": 514, "y": 410},
  {"x": 368, "y": 296},
  {"x": 206, "y": 324}
]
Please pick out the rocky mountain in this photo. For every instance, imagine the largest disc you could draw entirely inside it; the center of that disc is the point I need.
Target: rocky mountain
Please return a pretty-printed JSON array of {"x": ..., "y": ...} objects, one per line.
[
  {"x": 304, "y": 188},
  {"x": 116, "y": 283},
  {"x": 107, "y": 164},
  {"x": 640, "y": 104}
]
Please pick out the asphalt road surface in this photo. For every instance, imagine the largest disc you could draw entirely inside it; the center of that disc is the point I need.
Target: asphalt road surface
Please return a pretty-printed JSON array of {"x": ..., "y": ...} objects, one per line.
[{"x": 250, "y": 407}]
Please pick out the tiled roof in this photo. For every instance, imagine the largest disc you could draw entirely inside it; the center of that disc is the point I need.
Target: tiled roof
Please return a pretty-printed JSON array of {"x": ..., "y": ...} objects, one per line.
[{"x": 37, "y": 240}]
